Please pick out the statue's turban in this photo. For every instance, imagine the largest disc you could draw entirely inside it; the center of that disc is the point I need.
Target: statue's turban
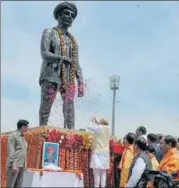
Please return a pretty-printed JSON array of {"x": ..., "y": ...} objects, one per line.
[{"x": 63, "y": 5}]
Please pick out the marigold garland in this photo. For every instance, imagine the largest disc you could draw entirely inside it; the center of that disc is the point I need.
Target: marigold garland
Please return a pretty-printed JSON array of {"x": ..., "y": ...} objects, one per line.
[
  {"x": 32, "y": 158},
  {"x": 3, "y": 160},
  {"x": 67, "y": 158},
  {"x": 59, "y": 157},
  {"x": 29, "y": 161},
  {"x": 72, "y": 159},
  {"x": 73, "y": 63},
  {"x": 39, "y": 152},
  {"x": 76, "y": 157},
  {"x": 62, "y": 158}
]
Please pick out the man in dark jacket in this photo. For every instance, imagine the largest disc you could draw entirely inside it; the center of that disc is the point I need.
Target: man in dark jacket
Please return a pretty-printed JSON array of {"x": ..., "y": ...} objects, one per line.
[{"x": 152, "y": 140}]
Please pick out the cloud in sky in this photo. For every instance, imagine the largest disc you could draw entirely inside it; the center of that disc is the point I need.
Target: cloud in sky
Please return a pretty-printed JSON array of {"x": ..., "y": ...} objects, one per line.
[{"x": 137, "y": 40}]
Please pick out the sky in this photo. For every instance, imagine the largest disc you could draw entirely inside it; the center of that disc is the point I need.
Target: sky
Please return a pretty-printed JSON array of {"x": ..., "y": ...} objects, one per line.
[{"x": 138, "y": 41}]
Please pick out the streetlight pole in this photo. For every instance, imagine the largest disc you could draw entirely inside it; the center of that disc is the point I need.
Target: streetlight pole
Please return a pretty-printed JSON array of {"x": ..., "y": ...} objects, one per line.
[{"x": 114, "y": 85}]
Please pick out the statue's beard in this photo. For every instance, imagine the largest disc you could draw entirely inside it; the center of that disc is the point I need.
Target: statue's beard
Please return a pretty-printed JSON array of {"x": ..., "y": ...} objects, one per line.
[{"x": 66, "y": 23}]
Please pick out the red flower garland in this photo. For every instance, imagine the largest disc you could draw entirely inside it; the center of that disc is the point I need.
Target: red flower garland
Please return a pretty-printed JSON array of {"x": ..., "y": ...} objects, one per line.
[{"x": 3, "y": 160}]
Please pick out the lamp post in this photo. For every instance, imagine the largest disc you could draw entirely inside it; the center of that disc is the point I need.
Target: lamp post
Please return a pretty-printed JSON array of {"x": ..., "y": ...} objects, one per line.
[{"x": 114, "y": 85}]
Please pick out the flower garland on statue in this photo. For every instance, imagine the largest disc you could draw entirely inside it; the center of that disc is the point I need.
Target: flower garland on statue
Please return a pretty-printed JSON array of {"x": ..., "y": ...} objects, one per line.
[{"x": 73, "y": 63}]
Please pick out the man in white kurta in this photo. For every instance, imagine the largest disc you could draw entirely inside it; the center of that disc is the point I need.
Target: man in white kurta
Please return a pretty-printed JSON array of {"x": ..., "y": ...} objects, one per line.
[{"x": 100, "y": 151}]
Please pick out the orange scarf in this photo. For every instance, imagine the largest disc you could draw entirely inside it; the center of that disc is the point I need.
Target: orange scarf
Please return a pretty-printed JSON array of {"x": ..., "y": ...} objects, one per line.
[
  {"x": 170, "y": 161},
  {"x": 125, "y": 164},
  {"x": 130, "y": 147}
]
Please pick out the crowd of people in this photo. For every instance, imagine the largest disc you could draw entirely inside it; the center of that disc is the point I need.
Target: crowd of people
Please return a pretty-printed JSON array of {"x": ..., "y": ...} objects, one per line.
[
  {"x": 147, "y": 152},
  {"x": 143, "y": 152}
]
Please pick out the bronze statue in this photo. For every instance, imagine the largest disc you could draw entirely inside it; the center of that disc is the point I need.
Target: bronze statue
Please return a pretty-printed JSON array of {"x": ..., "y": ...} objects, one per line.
[{"x": 60, "y": 66}]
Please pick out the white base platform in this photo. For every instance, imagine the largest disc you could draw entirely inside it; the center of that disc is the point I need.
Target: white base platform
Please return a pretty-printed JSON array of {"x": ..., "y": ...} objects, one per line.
[{"x": 52, "y": 179}]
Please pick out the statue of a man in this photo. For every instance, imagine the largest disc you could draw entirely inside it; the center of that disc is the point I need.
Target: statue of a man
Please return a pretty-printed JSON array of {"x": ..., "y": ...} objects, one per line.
[{"x": 60, "y": 66}]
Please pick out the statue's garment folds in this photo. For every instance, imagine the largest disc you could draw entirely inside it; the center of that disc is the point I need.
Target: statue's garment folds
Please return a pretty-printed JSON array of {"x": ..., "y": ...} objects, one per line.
[{"x": 50, "y": 77}]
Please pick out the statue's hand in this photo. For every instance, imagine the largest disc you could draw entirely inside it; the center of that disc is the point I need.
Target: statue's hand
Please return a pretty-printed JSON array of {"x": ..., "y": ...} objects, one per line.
[
  {"x": 80, "y": 91},
  {"x": 66, "y": 59}
]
